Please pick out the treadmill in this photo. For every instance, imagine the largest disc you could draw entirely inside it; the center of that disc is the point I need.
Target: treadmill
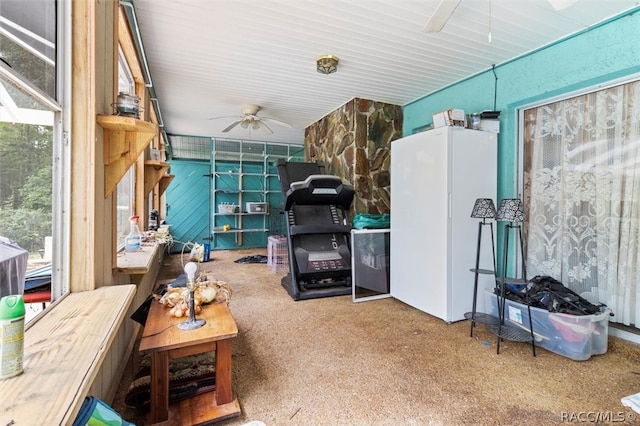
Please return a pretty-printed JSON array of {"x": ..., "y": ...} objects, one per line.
[{"x": 316, "y": 206}]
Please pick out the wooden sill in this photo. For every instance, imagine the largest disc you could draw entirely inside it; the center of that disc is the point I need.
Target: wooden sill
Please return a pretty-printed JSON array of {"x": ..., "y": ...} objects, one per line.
[
  {"x": 63, "y": 353},
  {"x": 138, "y": 262}
]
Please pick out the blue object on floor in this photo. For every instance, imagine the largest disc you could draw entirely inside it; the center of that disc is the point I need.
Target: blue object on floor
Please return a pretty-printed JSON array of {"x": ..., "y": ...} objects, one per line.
[{"x": 95, "y": 412}]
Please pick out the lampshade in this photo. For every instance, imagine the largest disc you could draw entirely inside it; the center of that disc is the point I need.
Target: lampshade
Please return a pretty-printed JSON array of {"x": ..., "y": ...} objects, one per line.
[
  {"x": 511, "y": 210},
  {"x": 327, "y": 64},
  {"x": 484, "y": 208}
]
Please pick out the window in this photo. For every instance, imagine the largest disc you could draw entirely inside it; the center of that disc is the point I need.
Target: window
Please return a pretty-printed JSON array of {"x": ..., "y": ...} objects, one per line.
[
  {"x": 125, "y": 194},
  {"x": 28, "y": 40},
  {"x": 582, "y": 180},
  {"x": 33, "y": 158}
]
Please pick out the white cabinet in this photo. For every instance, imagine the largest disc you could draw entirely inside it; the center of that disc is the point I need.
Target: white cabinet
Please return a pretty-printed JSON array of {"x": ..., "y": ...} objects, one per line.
[{"x": 436, "y": 176}]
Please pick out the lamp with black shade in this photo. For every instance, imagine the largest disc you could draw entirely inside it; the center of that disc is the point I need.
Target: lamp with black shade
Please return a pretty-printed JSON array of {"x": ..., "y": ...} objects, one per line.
[
  {"x": 484, "y": 209},
  {"x": 511, "y": 211}
]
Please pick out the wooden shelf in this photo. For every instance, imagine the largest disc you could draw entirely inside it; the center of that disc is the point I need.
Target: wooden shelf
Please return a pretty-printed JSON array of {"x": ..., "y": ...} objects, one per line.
[
  {"x": 164, "y": 182},
  {"x": 237, "y": 231},
  {"x": 124, "y": 138},
  {"x": 154, "y": 172},
  {"x": 483, "y": 271},
  {"x": 138, "y": 262}
]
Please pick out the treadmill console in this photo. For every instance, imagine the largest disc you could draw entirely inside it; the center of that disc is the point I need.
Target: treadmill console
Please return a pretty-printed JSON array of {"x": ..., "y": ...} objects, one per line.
[{"x": 325, "y": 261}]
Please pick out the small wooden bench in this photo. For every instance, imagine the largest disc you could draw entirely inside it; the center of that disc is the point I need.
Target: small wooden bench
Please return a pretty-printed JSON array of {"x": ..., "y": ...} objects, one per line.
[{"x": 64, "y": 352}]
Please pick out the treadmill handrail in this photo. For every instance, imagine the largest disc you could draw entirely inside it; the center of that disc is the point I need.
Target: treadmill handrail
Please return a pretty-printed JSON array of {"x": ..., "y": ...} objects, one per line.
[
  {"x": 305, "y": 183},
  {"x": 319, "y": 190}
]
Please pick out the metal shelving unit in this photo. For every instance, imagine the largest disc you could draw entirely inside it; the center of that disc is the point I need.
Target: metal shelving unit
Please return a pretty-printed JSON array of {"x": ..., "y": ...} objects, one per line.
[{"x": 245, "y": 171}]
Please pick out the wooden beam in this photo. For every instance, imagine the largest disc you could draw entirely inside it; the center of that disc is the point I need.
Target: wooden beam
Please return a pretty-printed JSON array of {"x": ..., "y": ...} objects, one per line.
[{"x": 83, "y": 148}]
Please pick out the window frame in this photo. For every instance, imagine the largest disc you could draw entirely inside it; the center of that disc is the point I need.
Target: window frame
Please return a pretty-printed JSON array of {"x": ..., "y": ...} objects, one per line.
[
  {"x": 124, "y": 71},
  {"x": 60, "y": 107},
  {"x": 62, "y": 155}
]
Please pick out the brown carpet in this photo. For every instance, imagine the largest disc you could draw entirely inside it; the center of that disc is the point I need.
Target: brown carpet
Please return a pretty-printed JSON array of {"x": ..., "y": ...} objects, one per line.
[{"x": 334, "y": 362}]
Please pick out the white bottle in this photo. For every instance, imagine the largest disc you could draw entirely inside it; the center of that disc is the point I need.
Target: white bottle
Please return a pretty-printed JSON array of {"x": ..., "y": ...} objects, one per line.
[{"x": 133, "y": 241}]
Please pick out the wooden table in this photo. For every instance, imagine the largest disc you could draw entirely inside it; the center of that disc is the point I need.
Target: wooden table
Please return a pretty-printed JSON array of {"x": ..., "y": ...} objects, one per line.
[{"x": 163, "y": 340}]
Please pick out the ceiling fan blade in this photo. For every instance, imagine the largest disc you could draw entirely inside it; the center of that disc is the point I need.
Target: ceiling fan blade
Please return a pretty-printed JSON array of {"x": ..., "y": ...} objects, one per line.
[
  {"x": 231, "y": 126},
  {"x": 441, "y": 15},
  {"x": 278, "y": 122},
  {"x": 226, "y": 116},
  {"x": 264, "y": 127},
  {"x": 561, "y": 4}
]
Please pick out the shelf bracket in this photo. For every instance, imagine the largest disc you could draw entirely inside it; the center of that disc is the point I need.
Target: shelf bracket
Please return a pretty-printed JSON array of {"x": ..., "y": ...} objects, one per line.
[{"x": 124, "y": 139}]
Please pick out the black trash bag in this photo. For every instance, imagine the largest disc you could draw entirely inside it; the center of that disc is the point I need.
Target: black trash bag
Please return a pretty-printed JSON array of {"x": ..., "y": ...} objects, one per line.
[
  {"x": 553, "y": 296},
  {"x": 257, "y": 258}
]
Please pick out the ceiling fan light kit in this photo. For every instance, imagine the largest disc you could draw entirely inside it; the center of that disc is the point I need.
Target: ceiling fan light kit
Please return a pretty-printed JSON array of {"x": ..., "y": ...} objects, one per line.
[{"x": 327, "y": 64}]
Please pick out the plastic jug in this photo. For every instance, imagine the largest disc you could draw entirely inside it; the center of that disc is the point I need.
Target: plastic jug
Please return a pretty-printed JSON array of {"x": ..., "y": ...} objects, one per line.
[{"x": 11, "y": 336}]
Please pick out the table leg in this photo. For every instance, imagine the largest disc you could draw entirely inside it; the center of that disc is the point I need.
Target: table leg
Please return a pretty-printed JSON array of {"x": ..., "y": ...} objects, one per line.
[
  {"x": 159, "y": 389},
  {"x": 224, "y": 389}
]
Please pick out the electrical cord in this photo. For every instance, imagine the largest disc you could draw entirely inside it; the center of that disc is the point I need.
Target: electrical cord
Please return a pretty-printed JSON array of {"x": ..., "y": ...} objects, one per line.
[{"x": 159, "y": 332}]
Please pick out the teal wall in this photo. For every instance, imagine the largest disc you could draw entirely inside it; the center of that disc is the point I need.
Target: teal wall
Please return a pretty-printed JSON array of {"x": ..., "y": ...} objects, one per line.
[{"x": 599, "y": 54}]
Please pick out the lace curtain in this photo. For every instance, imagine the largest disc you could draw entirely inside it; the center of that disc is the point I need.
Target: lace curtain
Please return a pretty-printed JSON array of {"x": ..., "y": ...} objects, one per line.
[{"x": 582, "y": 196}]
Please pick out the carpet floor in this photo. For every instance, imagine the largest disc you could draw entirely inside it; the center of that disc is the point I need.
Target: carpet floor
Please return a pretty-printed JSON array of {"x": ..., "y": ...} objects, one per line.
[{"x": 330, "y": 361}]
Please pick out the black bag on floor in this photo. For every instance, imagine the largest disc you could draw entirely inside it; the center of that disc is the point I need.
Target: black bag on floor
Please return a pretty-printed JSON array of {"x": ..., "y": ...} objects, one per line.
[{"x": 552, "y": 295}]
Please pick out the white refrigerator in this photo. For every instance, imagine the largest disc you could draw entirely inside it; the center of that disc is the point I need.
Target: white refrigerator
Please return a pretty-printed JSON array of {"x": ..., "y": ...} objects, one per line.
[{"x": 436, "y": 176}]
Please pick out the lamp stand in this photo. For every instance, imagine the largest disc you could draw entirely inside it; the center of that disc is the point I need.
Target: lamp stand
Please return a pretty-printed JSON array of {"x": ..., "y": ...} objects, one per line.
[
  {"x": 192, "y": 323},
  {"x": 502, "y": 330},
  {"x": 477, "y": 317}
]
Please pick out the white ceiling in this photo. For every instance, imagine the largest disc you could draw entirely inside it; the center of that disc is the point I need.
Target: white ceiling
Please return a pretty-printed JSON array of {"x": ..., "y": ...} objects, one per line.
[{"x": 209, "y": 57}]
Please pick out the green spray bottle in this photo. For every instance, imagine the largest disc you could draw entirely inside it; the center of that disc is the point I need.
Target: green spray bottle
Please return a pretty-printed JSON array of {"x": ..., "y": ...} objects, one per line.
[{"x": 11, "y": 335}]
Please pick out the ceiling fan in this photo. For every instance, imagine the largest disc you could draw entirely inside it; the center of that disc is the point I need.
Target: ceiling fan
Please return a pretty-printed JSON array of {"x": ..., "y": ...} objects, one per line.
[
  {"x": 446, "y": 8},
  {"x": 250, "y": 119}
]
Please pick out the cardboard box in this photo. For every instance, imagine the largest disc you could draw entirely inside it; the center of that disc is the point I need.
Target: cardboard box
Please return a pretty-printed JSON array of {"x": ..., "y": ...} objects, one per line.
[{"x": 450, "y": 117}]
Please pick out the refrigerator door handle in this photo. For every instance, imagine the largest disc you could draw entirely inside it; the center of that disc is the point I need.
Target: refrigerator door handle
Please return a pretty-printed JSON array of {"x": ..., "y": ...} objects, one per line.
[{"x": 449, "y": 208}]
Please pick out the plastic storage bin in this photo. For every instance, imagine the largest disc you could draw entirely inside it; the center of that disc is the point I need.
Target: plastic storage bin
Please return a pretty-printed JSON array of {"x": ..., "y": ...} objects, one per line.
[
  {"x": 257, "y": 208},
  {"x": 574, "y": 336},
  {"x": 227, "y": 208}
]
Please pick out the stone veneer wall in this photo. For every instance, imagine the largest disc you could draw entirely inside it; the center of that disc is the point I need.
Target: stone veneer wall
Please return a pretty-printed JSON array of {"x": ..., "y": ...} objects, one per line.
[{"x": 353, "y": 142}]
